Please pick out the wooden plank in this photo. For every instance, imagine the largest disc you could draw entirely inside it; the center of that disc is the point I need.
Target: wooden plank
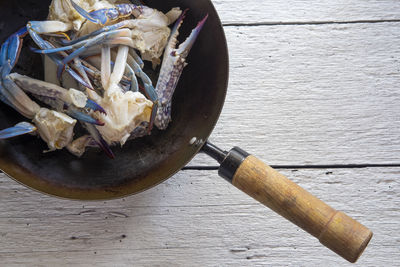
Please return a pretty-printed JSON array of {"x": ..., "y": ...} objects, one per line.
[
  {"x": 313, "y": 94},
  {"x": 298, "y": 95},
  {"x": 300, "y": 11},
  {"x": 195, "y": 219}
]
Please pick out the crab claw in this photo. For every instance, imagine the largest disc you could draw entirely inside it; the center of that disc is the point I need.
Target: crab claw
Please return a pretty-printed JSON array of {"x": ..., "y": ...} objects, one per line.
[
  {"x": 186, "y": 46},
  {"x": 171, "y": 70},
  {"x": 99, "y": 140},
  {"x": 90, "y": 104},
  {"x": 88, "y": 16},
  {"x": 19, "y": 129},
  {"x": 105, "y": 15},
  {"x": 15, "y": 45}
]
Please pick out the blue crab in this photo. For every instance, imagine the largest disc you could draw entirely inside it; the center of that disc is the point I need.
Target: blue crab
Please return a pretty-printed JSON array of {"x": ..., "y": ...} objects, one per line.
[{"x": 97, "y": 48}]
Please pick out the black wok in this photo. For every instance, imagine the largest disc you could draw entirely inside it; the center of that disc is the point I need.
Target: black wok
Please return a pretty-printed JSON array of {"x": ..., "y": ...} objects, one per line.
[{"x": 145, "y": 162}]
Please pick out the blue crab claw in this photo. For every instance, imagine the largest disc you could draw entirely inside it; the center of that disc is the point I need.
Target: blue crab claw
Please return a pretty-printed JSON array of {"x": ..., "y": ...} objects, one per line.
[
  {"x": 105, "y": 15},
  {"x": 15, "y": 45},
  {"x": 10, "y": 93},
  {"x": 99, "y": 140},
  {"x": 90, "y": 104},
  {"x": 88, "y": 16},
  {"x": 171, "y": 70},
  {"x": 186, "y": 46},
  {"x": 19, "y": 129},
  {"x": 10, "y": 50}
]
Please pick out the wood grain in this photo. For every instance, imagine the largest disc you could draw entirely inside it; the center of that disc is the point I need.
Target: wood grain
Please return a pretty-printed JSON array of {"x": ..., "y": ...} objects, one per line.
[
  {"x": 300, "y": 11},
  {"x": 193, "y": 219},
  {"x": 313, "y": 94},
  {"x": 298, "y": 94}
]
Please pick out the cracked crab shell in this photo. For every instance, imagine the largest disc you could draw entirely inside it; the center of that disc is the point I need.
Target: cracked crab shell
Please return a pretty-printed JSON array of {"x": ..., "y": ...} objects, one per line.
[
  {"x": 125, "y": 112},
  {"x": 55, "y": 128}
]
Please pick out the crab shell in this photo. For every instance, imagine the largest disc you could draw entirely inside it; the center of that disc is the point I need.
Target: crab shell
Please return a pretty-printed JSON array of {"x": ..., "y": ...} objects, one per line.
[
  {"x": 55, "y": 128},
  {"x": 125, "y": 112}
]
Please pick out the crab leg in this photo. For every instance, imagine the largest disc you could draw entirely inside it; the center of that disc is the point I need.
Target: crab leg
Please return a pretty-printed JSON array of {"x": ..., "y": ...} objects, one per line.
[
  {"x": 105, "y": 29},
  {"x": 3, "y": 52},
  {"x": 134, "y": 86},
  {"x": 129, "y": 79},
  {"x": 69, "y": 100},
  {"x": 105, "y": 65},
  {"x": 80, "y": 116},
  {"x": 84, "y": 45},
  {"x": 119, "y": 67},
  {"x": 135, "y": 56},
  {"x": 48, "y": 27},
  {"x": 99, "y": 140},
  {"x": 148, "y": 87},
  {"x": 18, "y": 99},
  {"x": 19, "y": 129},
  {"x": 79, "y": 145},
  {"x": 69, "y": 97},
  {"x": 55, "y": 128},
  {"x": 81, "y": 70},
  {"x": 56, "y": 58},
  {"x": 171, "y": 70},
  {"x": 5, "y": 69},
  {"x": 11, "y": 93},
  {"x": 90, "y": 104}
]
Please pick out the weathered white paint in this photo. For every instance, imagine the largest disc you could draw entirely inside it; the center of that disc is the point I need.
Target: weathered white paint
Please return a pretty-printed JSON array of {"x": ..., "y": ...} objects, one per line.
[
  {"x": 299, "y": 94},
  {"x": 313, "y": 94},
  {"x": 275, "y": 11},
  {"x": 195, "y": 219}
]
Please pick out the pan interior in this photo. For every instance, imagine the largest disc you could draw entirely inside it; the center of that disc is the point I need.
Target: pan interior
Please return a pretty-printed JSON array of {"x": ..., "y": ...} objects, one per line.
[{"x": 143, "y": 162}]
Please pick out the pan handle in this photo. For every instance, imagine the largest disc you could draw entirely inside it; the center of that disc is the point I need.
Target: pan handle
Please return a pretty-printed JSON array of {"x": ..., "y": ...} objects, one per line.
[{"x": 333, "y": 228}]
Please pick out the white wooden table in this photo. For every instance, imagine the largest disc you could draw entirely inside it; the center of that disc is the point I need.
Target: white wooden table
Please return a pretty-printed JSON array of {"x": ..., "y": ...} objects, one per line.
[{"x": 312, "y": 82}]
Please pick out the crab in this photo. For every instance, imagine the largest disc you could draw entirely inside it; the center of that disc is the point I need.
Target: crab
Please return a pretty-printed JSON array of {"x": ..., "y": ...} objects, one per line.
[
  {"x": 54, "y": 127},
  {"x": 92, "y": 48}
]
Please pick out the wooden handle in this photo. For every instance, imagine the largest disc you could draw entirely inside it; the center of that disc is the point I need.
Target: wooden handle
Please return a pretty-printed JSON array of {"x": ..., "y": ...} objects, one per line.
[{"x": 334, "y": 229}]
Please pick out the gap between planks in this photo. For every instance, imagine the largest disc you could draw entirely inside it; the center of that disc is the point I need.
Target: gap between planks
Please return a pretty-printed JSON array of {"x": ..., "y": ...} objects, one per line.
[
  {"x": 294, "y": 167},
  {"x": 294, "y": 23},
  {"x": 319, "y": 166}
]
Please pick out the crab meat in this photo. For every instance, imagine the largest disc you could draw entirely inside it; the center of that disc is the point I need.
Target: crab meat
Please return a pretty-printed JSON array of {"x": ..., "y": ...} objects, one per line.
[{"x": 125, "y": 112}]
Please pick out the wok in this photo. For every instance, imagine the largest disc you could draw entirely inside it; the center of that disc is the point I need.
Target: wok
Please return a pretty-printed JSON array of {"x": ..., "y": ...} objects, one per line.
[{"x": 148, "y": 161}]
